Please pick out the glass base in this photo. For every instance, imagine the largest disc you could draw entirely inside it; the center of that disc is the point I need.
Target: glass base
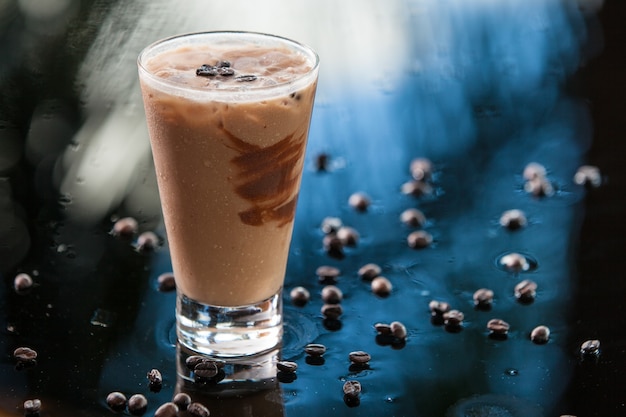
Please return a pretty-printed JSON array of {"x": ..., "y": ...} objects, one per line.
[{"x": 229, "y": 332}]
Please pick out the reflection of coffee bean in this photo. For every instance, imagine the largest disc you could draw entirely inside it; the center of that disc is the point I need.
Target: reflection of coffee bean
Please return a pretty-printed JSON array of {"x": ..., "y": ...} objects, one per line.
[
  {"x": 116, "y": 401},
  {"x": 315, "y": 349},
  {"x": 540, "y": 335},
  {"x": 166, "y": 282},
  {"x": 483, "y": 298},
  {"x": 137, "y": 404},
  {"x": 198, "y": 410},
  {"x": 369, "y": 271},
  {"x": 32, "y": 407},
  {"x": 331, "y": 294},
  {"x": 299, "y": 296},
  {"x": 381, "y": 286},
  {"x": 168, "y": 409},
  {"x": 182, "y": 400}
]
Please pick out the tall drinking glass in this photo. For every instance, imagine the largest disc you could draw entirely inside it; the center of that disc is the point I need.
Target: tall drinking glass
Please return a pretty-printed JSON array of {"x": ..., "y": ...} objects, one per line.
[{"x": 228, "y": 115}]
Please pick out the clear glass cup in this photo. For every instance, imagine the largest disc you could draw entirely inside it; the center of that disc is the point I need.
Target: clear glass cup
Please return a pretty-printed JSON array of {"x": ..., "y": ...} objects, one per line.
[{"x": 228, "y": 116}]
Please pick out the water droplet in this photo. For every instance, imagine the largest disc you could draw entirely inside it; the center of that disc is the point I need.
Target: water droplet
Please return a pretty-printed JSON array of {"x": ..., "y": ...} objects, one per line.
[
  {"x": 511, "y": 372},
  {"x": 389, "y": 399}
]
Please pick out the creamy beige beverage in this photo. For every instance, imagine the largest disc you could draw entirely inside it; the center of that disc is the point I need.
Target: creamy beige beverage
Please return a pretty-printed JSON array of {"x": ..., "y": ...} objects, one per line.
[{"x": 228, "y": 122}]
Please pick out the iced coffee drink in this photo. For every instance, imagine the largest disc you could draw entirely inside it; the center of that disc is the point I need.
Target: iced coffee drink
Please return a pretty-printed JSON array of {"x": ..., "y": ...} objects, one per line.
[{"x": 228, "y": 116}]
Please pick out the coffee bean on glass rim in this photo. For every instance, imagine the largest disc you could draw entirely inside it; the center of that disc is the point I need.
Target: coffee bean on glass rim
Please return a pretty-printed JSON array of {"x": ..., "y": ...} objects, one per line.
[
  {"x": 125, "y": 227},
  {"x": 299, "y": 296},
  {"x": 588, "y": 175},
  {"x": 413, "y": 217},
  {"x": 419, "y": 239},
  {"x": 381, "y": 286},
  {"x": 348, "y": 236},
  {"x": 514, "y": 262},
  {"x": 116, "y": 401},
  {"x": 333, "y": 246},
  {"x": 352, "y": 388},
  {"x": 483, "y": 298},
  {"x": 147, "y": 241},
  {"x": 359, "y": 357},
  {"x": 498, "y": 327},
  {"x": 416, "y": 188},
  {"x": 540, "y": 335},
  {"x": 534, "y": 170},
  {"x": 590, "y": 348},
  {"x": 331, "y": 225},
  {"x": 32, "y": 407},
  {"x": 155, "y": 380},
  {"x": 22, "y": 283},
  {"x": 332, "y": 311},
  {"x": 327, "y": 274},
  {"x": 168, "y": 409},
  {"x": 25, "y": 354},
  {"x": 315, "y": 349},
  {"x": 421, "y": 169},
  {"x": 359, "y": 201},
  {"x": 182, "y": 400},
  {"x": 331, "y": 294},
  {"x": 369, "y": 271},
  {"x": 525, "y": 291},
  {"x": 166, "y": 282},
  {"x": 513, "y": 219},
  {"x": 137, "y": 404}
]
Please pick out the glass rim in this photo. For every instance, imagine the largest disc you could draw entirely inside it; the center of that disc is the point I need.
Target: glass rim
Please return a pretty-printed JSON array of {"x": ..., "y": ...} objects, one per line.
[{"x": 300, "y": 47}]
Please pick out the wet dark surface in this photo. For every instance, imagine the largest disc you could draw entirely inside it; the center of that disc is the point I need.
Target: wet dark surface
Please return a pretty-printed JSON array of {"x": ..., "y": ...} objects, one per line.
[{"x": 99, "y": 324}]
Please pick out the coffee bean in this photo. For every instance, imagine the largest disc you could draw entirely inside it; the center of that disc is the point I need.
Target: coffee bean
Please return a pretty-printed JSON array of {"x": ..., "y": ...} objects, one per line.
[
  {"x": 483, "y": 298},
  {"x": 125, "y": 227},
  {"x": 116, "y": 401},
  {"x": 513, "y": 219},
  {"x": 421, "y": 169},
  {"x": 182, "y": 400},
  {"x": 166, "y": 282},
  {"x": 315, "y": 349},
  {"x": 416, "y": 188},
  {"x": 147, "y": 241},
  {"x": 383, "y": 329},
  {"x": 352, "y": 388},
  {"x": 206, "y": 369},
  {"x": 299, "y": 296},
  {"x": 332, "y": 311},
  {"x": 331, "y": 294},
  {"x": 286, "y": 366},
  {"x": 155, "y": 380},
  {"x": 321, "y": 161},
  {"x": 540, "y": 335},
  {"x": 137, "y": 404},
  {"x": 514, "y": 262},
  {"x": 331, "y": 225},
  {"x": 225, "y": 72},
  {"x": 359, "y": 201},
  {"x": 453, "y": 318},
  {"x": 398, "y": 330},
  {"x": 498, "y": 326},
  {"x": 534, "y": 170},
  {"x": 525, "y": 291},
  {"x": 327, "y": 274},
  {"x": 22, "y": 283},
  {"x": 413, "y": 217},
  {"x": 32, "y": 407},
  {"x": 539, "y": 187},
  {"x": 168, "y": 409},
  {"x": 369, "y": 271},
  {"x": 590, "y": 348},
  {"x": 206, "y": 70},
  {"x": 359, "y": 357},
  {"x": 198, "y": 410},
  {"x": 588, "y": 175},
  {"x": 25, "y": 354},
  {"x": 246, "y": 78},
  {"x": 419, "y": 239},
  {"x": 333, "y": 246},
  {"x": 193, "y": 360},
  {"x": 348, "y": 236},
  {"x": 381, "y": 286},
  {"x": 438, "y": 307}
]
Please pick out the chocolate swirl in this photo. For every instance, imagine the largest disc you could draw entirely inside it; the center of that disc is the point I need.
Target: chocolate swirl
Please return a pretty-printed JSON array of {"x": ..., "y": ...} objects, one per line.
[{"x": 268, "y": 178}]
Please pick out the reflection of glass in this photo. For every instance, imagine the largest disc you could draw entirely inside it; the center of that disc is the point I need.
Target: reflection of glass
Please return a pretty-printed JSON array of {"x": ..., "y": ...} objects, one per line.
[
  {"x": 241, "y": 385},
  {"x": 228, "y": 115}
]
